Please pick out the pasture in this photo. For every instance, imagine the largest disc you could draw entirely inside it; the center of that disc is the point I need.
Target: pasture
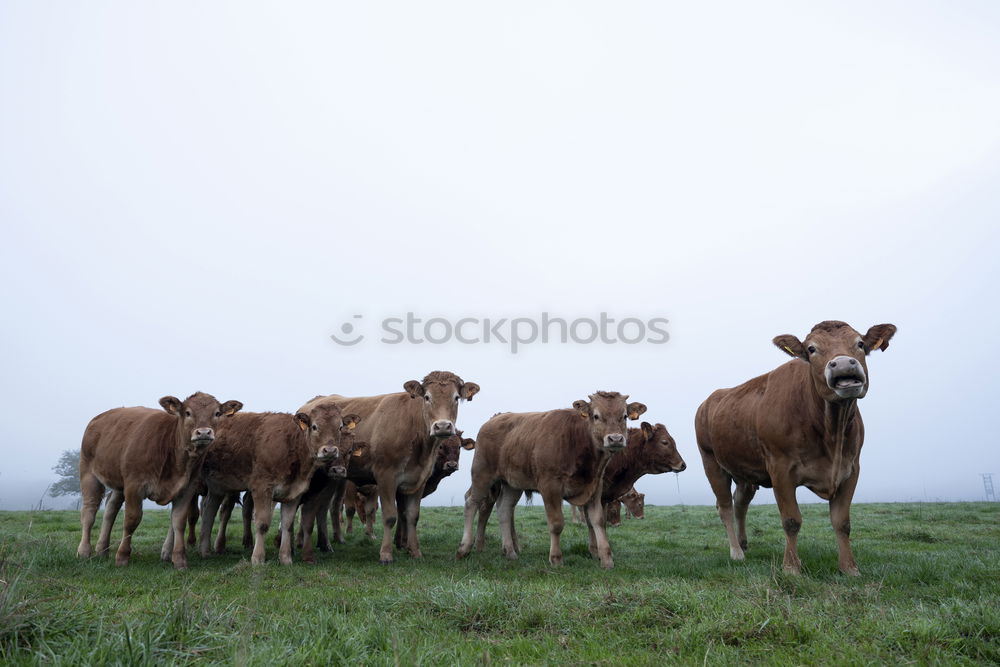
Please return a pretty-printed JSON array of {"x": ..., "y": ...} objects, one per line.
[{"x": 929, "y": 593}]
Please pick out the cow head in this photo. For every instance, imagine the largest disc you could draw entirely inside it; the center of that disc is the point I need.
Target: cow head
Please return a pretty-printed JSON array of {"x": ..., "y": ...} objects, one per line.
[
  {"x": 836, "y": 355},
  {"x": 330, "y": 435},
  {"x": 658, "y": 450},
  {"x": 606, "y": 412},
  {"x": 447, "y": 460},
  {"x": 198, "y": 415},
  {"x": 635, "y": 502},
  {"x": 441, "y": 393}
]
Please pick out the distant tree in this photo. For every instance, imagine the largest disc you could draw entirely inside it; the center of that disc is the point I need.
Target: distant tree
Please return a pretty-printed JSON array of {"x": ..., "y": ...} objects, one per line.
[{"x": 68, "y": 469}]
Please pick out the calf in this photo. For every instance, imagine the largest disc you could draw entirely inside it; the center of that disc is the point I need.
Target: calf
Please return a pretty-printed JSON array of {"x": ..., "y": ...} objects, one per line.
[
  {"x": 363, "y": 500},
  {"x": 142, "y": 453},
  {"x": 274, "y": 456},
  {"x": 561, "y": 454},
  {"x": 635, "y": 504},
  {"x": 404, "y": 431},
  {"x": 798, "y": 425}
]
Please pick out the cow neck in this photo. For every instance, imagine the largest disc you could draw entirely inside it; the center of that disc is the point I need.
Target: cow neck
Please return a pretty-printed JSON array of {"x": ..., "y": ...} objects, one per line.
[
  {"x": 626, "y": 472},
  {"x": 836, "y": 418},
  {"x": 183, "y": 463}
]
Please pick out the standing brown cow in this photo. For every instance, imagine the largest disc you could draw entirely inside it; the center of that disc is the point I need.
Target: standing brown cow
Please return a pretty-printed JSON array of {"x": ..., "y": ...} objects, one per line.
[
  {"x": 561, "y": 454},
  {"x": 403, "y": 431},
  {"x": 274, "y": 456},
  {"x": 798, "y": 425},
  {"x": 142, "y": 453}
]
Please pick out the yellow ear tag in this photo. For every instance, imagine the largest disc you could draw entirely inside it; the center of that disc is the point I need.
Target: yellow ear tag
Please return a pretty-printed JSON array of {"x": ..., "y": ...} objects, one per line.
[
  {"x": 633, "y": 415},
  {"x": 357, "y": 452},
  {"x": 790, "y": 351},
  {"x": 351, "y": 425}
]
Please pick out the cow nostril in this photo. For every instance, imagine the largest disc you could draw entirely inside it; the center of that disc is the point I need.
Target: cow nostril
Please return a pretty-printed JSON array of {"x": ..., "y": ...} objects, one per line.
[
  {"x": 833, "y": 364},
  {"x": 854, "y": 362}
]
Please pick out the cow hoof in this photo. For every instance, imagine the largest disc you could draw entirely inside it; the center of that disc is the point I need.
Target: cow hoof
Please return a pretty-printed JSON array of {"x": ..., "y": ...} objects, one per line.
[
  {"x": 608, "y": 565},
  {"x": 287, "y": 561},
  {"x": 181, "y": 565},
  {"x": 555, "y": 561},
  {"x": 256, "y": 561},
  {"x": 121, "y": 562},
  {"x": 83, "y": 552},
  {"x": 736, "y": 554},
  {"x": 792, "y": 569},
  {"x": 385, "y": 561},
  {"x": 851, "y": 571},
  {"x": 307, "y": 559}
]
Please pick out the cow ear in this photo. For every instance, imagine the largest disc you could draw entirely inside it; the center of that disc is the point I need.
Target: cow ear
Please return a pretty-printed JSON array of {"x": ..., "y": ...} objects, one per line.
[
  {"x": 303, "y": 420},
  {"x": 468, "y": 390},
  {"x": 351, "y": 420},
  {"x": 878, "y": 337},
  {"x": 230, "y": 408},
  {"x": 468, "y": 443},
  {"x": 635, "y": 409},
  {"x": 791, "y": 345},
  {"x": 647, "y": 430},
  {"x": 359, "y": 449},
  {"x": 413, "y": 388},
  {"x": 171, "y": 404},
  {"x": 583, "y": 407}
]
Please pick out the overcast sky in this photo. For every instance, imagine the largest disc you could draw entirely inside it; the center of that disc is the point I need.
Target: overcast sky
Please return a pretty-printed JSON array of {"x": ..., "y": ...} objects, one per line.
[{"x": 194, "y": 197}]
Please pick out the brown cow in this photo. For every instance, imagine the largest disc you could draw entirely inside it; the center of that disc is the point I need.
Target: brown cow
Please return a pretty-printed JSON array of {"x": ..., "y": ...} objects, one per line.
[
  {"x": 274, "y": 455},
  {"x": 364, "y": 501},
  {"x": 635, "y": 504},
  {"x": 562, "y": 454},
  {"x": 142, "y": 453},
  {"x": 651, "y": 450},
  {"x": 403, "y": 431},
  {"x": 798, "y": 425}
]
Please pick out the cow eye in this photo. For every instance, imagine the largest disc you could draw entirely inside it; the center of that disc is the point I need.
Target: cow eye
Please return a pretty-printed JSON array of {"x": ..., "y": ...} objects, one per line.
[
  {"x": 861, "y": 345},
  {"x": 596, "y": 418},
  {"x": 427, "y": 398},
  {"x": 315, "y": 428},
  {"x": 218, "y": 414},
  {"x": 187, "y": 413},
  {"x": 812, "y": 349}
]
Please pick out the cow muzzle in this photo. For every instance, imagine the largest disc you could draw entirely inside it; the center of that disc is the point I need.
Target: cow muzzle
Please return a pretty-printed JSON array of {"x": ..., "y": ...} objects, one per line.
[
  {"x": 614, "y": 442},
  {"x": 451, "y": 466},
  {"x": 846, "y": 377},
  {"x": 328, "y": 453},
  {"x": 336, "y": 472},
  {"x": 202, "y": 437},
  {"x": 442, "y": 428}
]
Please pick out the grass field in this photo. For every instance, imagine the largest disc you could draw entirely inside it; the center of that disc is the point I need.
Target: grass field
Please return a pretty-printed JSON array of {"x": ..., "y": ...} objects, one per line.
[{"x": 929, "y": 593}]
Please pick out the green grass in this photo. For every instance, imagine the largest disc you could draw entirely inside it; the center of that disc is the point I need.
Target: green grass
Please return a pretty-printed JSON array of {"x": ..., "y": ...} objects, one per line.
[{"x": 929, "y": 593}]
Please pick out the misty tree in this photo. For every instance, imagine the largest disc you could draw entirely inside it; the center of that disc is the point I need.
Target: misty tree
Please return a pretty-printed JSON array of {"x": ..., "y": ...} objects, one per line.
[{"x": 68, "y": 469}]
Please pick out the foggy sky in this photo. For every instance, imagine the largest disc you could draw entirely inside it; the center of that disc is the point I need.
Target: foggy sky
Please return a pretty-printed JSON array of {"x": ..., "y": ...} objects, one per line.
[{"x": 195, "y": 197}]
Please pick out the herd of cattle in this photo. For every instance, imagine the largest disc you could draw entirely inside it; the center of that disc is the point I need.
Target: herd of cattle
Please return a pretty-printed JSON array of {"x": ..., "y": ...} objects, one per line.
[{"x": 798, "y": 425}]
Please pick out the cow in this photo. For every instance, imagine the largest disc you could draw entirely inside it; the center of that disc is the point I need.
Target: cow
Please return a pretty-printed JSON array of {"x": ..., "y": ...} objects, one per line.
[
  {"x": 404, "y": 431},
  {"x": 141, "y": 453},
  {"x": 274, "y": 456},
  {"x": 635, "y": 504},
  {"x": 364, "y": 501},
  {"x": 798, "y": 425},
  {"x": 651, "y": 450},
  {"x": 561, "y": 454}
]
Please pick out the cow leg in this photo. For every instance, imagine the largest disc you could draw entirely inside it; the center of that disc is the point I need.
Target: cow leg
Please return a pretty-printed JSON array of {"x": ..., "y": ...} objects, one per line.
[
  {"x": 168, "y": 542},
  {"x": 225, "y": 514},
  {"x": 506, "y": 503},
  {"x": 247, "y": 520},
  {"x": 593, "y": 512},
  {"x": 133, "y": 516},
  {"x": 474, "y": 498},
  {"x": 288, "y": 510},
  {"x": 371, "y": 508},
  {"x": 401, "y": 538},
  {"x": 208, "y": 512},
  {"x": 178, "y": 520},
  {"x": 554, "y": 514},
  {"x": 306, "y": 524},
  {"x": 111, "y": 509},
  {"x": 791, "y": 521},
  {"x": 333, "y": 507},
  {"x": 349, "y": 511},
  {"x": 840, "y": 517},
  {"x": 387, "y": 486},
  {"x": 411, "y": 512},
  {"x": 263, "y": 512},
  {"x": 92, "y": 492},
  {"x": 591, "y": 535},
  {"x": 722, "y": 486},
  {"x": 192, "y": 520},
  {"x": 741, "y": 499},
  {"x": 485, "y": 510}
]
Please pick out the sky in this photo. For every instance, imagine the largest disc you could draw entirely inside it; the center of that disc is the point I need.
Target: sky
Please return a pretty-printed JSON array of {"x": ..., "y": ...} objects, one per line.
[{"x": 195, "y": 197}]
